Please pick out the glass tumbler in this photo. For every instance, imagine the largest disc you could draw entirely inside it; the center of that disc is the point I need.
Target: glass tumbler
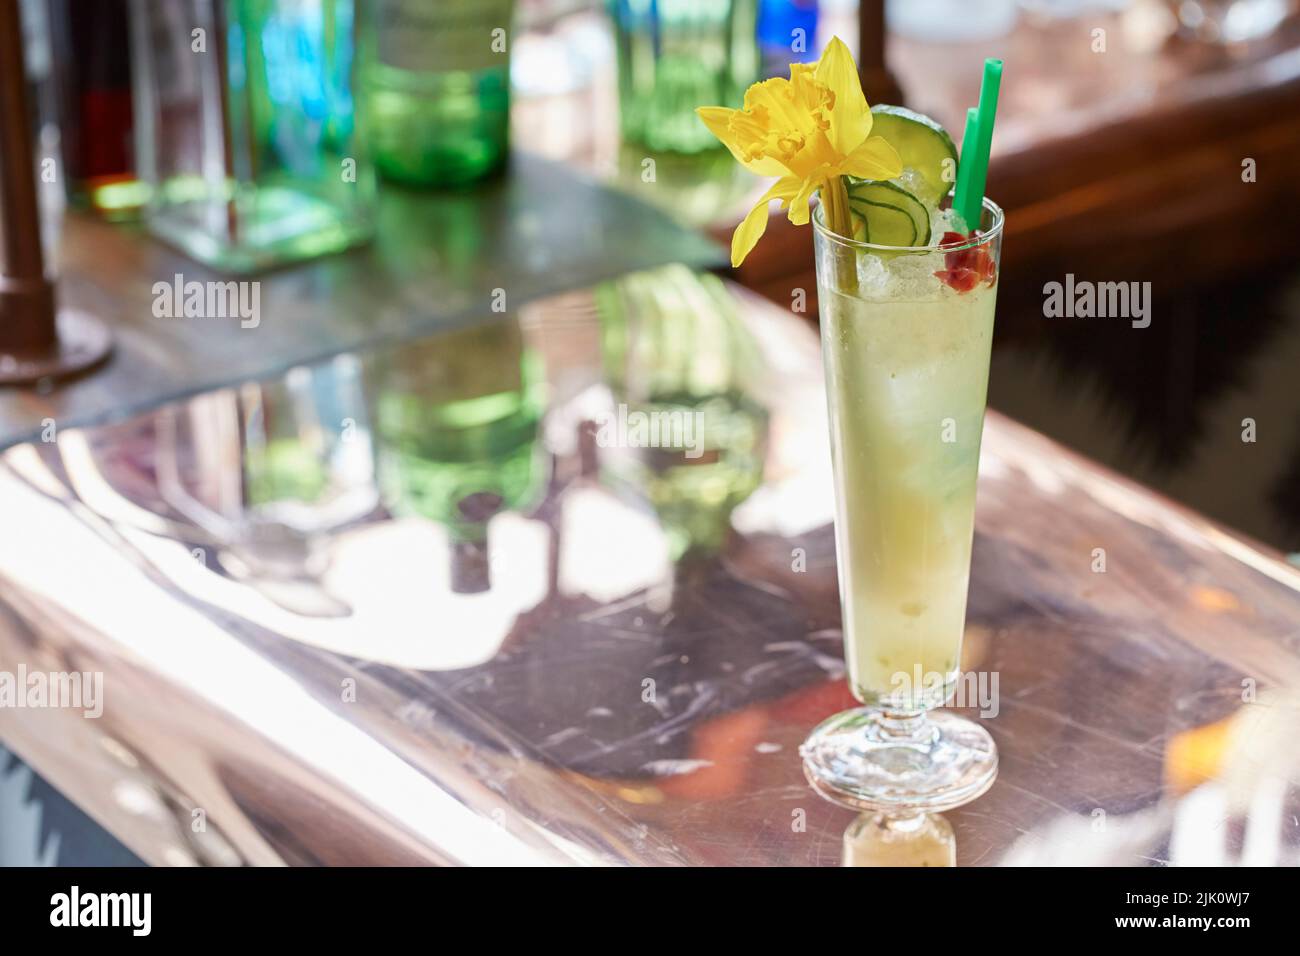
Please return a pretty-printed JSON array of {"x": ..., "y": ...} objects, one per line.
[
  {"x": 674, "y": 55},
  {"x": 246, "y": 131}
]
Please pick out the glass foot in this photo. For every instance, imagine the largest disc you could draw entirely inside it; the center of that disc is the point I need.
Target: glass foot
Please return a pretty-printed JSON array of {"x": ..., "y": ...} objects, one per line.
[
  {"x": 891, "y": 839},
  {"x": 868, "y": 759}
]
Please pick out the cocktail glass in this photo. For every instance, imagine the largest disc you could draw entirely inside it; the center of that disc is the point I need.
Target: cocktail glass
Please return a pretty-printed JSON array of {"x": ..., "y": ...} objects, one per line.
[{"x": 906, "y": 334}]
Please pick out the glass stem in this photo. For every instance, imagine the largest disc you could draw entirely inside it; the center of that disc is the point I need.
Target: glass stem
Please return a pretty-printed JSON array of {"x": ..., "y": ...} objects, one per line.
[{"x": 911, "y": 728}]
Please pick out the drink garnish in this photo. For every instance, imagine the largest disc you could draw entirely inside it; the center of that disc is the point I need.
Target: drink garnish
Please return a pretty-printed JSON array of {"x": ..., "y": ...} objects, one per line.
[
  {"x": 879, "y": 172},
  {"x": 929, "y": 155},
  {"x": 811, "y": 130},
  {"x": 889, "y": 214},
  {"x": 966, "y": 268}
]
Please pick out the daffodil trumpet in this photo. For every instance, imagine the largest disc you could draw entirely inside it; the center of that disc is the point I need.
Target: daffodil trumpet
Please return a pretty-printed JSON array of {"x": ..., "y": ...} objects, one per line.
[{"x": 809, "y": 131}]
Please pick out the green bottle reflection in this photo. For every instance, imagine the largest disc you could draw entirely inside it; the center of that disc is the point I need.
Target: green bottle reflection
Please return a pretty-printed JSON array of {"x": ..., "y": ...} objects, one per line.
[
  {"x": 686, "y": 432},
  {"x": 283, "y": 469},
  {"x": 456, "y": 421},
  {"x": 308, "y": 461},
  {"x": 694, "y": 188}
]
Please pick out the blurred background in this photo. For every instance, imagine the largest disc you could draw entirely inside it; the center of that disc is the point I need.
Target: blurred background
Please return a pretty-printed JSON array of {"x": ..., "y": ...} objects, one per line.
[
  {"x": 1150, "y": 141},
  {"x": 1138, "y": 140}
]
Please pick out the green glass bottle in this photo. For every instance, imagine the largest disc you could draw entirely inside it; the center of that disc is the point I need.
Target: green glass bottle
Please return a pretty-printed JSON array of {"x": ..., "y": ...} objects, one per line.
[
  {"x": 436, "y": 82},
  {"x": 676, "y": 55}
]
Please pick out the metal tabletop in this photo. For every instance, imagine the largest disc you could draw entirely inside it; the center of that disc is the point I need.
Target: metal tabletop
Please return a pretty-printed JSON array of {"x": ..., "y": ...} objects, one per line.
[{"x": 607, "y": 692}]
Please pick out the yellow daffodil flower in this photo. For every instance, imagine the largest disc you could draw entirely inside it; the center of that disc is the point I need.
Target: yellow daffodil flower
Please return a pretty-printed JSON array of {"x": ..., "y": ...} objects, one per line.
[{"x": 809, "y": 130}]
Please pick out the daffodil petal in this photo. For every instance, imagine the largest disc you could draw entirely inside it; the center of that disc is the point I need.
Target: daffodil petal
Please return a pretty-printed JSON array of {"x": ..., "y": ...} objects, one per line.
[
  {"x": 765, "y": 166},
  {"x": 799, "y": 212},
  {"x": 774, "y": 98},
  {"x": 718, "y": 121},
  {"x": 754, "y": 225},
  {"x": 850, "y": 119},
  {"x": 874, "y": 159}
]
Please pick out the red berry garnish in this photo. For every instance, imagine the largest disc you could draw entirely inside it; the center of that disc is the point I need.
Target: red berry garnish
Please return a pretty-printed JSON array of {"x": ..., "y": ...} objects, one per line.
[
  {"x": 966, "y": 268},
  {"x": 962, "y": 280}
]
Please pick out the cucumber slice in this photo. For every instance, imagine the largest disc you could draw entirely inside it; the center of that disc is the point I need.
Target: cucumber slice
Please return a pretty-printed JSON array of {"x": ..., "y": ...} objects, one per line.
[
  {"x": 894, "y": 217},
  {"x": 923, "y": 145},
  {"x": 884, "y": 224}
]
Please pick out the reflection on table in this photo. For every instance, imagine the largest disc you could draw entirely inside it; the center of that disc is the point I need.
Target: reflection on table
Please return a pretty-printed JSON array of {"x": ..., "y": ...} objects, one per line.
[{"x": 512, "y": 642}]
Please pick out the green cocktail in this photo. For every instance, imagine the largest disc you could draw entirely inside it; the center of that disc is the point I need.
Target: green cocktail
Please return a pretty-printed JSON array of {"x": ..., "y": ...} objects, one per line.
[
  {"x": 906, "y": 335},
  {"x": 907, "y": 366}
]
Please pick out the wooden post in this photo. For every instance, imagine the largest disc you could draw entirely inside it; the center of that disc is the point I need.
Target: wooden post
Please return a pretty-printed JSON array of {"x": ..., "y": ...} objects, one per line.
[
  {"x": 36, "y": 341},
  {"x": 877, "y": 82}
]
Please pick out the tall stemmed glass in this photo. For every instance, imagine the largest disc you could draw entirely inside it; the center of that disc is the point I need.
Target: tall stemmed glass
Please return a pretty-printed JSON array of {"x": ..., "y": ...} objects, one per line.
[{"x": 906, "y": 334}]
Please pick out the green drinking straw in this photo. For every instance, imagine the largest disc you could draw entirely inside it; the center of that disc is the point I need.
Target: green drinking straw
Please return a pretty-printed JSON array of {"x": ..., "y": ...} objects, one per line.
[
  {"x": 972, "y": 171},
  {"x": 965, "y": 169}
]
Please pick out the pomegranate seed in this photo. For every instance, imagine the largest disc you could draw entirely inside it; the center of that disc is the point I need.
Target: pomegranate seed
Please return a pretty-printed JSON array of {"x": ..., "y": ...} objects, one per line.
[
  {"x": 966, "y": 268},
  {"x": 962, "y": 280}
]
